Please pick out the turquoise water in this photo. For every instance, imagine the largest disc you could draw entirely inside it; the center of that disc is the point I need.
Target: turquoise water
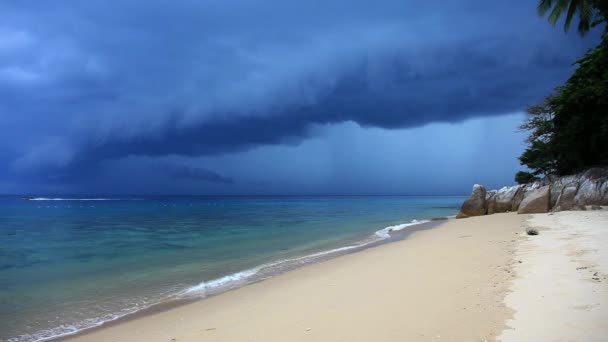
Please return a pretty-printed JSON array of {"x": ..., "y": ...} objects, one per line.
[{"x": 68, "y": 265}]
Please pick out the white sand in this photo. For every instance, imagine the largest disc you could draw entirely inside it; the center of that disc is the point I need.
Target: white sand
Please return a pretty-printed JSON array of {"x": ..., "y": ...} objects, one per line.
[{"x": 555, "y": 295}]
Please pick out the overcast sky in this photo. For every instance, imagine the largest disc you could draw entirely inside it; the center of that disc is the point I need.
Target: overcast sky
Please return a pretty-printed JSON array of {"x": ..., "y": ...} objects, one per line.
[{"x": 271, "y": 97}]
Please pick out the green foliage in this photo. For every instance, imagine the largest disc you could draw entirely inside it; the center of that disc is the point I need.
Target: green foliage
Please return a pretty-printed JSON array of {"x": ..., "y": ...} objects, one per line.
[
  {"x": 539, "y": 157},
  {"x": 569, "y": 129},
  {"x": 590, "y": 12},
  {"x": 581, "y": 114},
  {"x": 540, "y": 120},
  {"x": 523, "y": 177}
]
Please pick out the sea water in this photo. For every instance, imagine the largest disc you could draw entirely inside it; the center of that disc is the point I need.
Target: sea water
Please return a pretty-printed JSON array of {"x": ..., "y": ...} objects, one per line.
[{"x": 68, "y": 264}]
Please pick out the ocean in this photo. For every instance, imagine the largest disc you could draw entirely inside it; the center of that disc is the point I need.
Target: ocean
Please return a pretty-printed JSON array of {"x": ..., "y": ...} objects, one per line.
[{"x": 69, "y": 264}]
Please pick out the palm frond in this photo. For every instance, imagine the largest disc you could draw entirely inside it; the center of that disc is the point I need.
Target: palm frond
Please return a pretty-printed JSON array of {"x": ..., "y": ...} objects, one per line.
[
  {"x": 587, "y": 14},
  {"x": 557, "y": 11},
  {"x": 544, "y": 6},
  {"x": 574, "y": 4},
  {"x": 586, "y": 18}
]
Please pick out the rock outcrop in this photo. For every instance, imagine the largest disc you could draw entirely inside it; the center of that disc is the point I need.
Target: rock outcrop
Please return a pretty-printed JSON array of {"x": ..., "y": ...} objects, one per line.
[
  {"x": 502, "y": 200},
  {"x": 476, "y": 204},
  {"x": 574, "y": 192},
  {"x": 565, "y": 199},
  {"x": 536, "y": 201}
]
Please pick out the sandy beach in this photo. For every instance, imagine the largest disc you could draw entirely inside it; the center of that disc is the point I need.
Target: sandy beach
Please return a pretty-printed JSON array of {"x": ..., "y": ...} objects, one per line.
[
  {"x": 561, "y": 289},
  {"x": 474, "y": 279}
]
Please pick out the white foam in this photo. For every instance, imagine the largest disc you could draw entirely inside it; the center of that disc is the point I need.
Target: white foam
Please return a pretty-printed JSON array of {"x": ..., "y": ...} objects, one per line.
[
  {"x": 71, "y": 329},
  {"x": 247, "y": 275},
  {"x": 241, "y": 277},
  {"x": 231, "y": 279},
  {"x": 385, "y": 232},
  {"x": 83, "y": 199}
]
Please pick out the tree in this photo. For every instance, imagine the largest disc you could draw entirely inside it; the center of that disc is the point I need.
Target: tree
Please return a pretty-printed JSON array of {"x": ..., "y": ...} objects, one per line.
[
  {"x": 540, "y": 120},
  {"x": 523, "y": 177},
  {"x": 581, "y": 114},
  {"x": 540, "y": 155},
  {"x": 569, "y": 129},
  {"x": 540, "y": 158},
  {"x": 590, "y": 12}
]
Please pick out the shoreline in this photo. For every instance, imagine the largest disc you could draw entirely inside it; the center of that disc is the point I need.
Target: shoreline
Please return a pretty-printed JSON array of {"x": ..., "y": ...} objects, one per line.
[
  {"x": 325, "y": 255},
  {"x": 259, "y": 295},
  {"x": 481, "y": 278}
]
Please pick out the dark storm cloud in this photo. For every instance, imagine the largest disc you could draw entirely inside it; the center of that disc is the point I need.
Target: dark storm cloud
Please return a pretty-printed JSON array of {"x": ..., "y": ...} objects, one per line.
[
  {"x": 196, "y": 174},
  {"x": 86, "y": 81}
]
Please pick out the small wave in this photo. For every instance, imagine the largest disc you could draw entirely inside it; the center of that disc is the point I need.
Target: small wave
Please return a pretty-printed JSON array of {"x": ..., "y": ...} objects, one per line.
[
  {"x": 82, "y": 199},
  {"x": 231, "y": 279},
  {"x": 71, "y": 329},
  {"x": 385, "y": 232},
  {"x": 64, "y": 330},
  {"x": 244, "y": 277}
]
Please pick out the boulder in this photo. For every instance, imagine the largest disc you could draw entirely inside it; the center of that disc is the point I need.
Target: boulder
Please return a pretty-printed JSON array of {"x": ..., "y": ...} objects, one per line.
[
  {"x": 559, "y": 184},
  {"x": 565, "y": 200},
  {"x": 476, "y": 204},
  {"x": 556, "y": 190},
  {"x": 491, "y": 202},
  {"x": 572, "y": 192},
  {"x": 503, "y": 200},
  {"x": 536, "y": 201},
  {"x": 592, "y": 191},
  {"x": 517, "y": 198}
]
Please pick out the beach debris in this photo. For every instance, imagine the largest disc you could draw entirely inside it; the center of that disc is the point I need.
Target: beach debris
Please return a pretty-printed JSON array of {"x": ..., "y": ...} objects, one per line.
[
  {"x": 308, "y": 329},
  {"x": 439, "y": 218},
  {"x": 210, "y": 329},
  {"x": 532, "y": 231}
]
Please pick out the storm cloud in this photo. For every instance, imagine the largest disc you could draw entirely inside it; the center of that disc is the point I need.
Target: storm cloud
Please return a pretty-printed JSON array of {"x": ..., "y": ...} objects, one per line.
[
  {"x": 196, "y": 174},
  {"x": 84, "y": 82}
]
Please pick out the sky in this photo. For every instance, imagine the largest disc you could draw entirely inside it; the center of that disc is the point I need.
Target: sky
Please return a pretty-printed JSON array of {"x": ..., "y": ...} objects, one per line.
[{"x": 250, "y": 97}]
